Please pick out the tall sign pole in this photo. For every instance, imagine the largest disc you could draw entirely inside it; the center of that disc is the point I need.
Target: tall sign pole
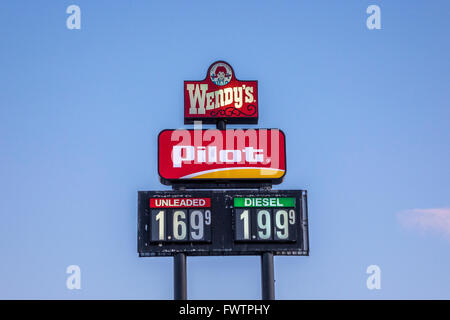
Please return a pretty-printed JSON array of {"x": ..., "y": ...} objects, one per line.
[
  {"x": 267, "y": 276},
  {"x": 179, "y": 277},
  {"x": 222, "y": 202}
]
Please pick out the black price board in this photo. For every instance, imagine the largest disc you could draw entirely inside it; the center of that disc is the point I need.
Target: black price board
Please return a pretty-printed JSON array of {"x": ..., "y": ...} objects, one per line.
[{"x": 240, "y": 222}]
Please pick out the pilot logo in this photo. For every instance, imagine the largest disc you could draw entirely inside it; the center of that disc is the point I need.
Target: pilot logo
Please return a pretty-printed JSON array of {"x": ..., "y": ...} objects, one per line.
[
  {"x": 232, "y": 154},
  {"x": 220, "y": 73}
]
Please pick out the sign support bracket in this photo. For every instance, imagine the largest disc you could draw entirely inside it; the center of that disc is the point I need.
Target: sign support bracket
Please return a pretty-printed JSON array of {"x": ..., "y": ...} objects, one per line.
[{"x": 221, "y": 125}]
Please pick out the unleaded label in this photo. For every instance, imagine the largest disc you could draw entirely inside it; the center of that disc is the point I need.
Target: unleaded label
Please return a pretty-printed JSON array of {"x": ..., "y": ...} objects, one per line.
[{"x": 180, "y": 202}]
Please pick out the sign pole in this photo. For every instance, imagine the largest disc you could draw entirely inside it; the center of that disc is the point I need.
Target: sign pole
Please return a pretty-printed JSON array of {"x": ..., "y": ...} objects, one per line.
[
  {"x": 179, "y": 277},
  {"x": 221, "y": 125},
  {"x": 267, "y": 276}
]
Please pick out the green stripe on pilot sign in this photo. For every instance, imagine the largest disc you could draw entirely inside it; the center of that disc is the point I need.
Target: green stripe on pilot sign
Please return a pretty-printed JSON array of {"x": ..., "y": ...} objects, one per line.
[{"x": 264, "y": 202}]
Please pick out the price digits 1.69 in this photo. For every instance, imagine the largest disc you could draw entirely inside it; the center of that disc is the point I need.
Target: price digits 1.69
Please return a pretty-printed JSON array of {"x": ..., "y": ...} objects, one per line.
[{"x": 184, "y": 225}]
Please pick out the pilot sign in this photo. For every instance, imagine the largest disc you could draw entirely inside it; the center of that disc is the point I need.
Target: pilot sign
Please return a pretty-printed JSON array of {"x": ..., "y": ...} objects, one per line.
[
  {"x": 222, "y": 222},
  {"x": 236, "y": 155}
]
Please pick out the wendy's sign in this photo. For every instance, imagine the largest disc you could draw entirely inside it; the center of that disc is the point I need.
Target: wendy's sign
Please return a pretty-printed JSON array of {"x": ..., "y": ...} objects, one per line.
[
  {"x": 221, "y": 155},
  {"x": 221, "y": 97}
]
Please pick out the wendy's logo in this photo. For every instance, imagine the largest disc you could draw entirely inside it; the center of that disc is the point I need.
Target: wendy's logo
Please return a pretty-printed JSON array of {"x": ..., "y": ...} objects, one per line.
[
  {"x": 221, "y": 96},
  {"x": 220, "y": 73}
]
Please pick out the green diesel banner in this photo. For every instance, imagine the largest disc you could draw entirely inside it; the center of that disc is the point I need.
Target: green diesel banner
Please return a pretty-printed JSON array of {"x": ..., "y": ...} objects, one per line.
[{"x": 264, "y": 202}]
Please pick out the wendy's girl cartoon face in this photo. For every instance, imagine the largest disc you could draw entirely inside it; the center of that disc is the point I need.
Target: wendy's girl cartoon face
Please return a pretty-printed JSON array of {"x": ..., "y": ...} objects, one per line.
[{"x": 220, "y": 74}]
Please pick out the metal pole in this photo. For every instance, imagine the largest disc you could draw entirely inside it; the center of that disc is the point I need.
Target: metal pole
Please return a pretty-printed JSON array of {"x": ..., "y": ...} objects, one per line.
[
  {"x": 179, "y": 277},
  {"x": 221, "y": 125},
  {"x": 267, "y": 277}
]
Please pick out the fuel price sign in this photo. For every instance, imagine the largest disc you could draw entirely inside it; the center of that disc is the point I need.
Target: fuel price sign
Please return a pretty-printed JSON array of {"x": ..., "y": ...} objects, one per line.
[{"x": 222, "y": 222}]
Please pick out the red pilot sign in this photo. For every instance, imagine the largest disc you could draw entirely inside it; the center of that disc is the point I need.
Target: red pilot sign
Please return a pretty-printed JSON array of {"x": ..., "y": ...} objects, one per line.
[
  {"x": 233, "y": 154},
  {"x": 221, "y": 96}
]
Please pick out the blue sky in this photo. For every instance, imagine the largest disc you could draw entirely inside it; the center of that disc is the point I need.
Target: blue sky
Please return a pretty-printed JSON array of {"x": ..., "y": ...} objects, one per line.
[{"x": 366, "y": 115}]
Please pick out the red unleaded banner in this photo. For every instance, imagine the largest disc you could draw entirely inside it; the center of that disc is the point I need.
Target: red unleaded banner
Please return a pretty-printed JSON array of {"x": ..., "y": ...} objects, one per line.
[{"x": 180, "y": 202}]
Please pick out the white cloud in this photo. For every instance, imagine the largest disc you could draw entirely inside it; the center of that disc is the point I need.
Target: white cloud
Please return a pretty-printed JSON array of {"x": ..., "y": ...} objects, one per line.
[{"x": 435, "y": 220}]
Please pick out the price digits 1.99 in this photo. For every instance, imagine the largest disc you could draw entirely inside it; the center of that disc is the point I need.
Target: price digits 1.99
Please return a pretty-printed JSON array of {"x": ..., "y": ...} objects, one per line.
[{"x": 265, "y": 224}]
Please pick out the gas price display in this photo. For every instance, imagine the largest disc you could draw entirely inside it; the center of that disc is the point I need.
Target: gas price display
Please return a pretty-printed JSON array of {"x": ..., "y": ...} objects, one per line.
[
  {"x": 180, "y": 219},
  {"x": 265, "y": 219},
  {"x": 222, "y": 222}
]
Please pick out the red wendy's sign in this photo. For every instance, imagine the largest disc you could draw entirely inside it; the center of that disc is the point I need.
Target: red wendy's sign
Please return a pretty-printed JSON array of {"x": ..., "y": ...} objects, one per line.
[
  {"x": 221, "y": 96},
  {"x": 233, "y": 154}
]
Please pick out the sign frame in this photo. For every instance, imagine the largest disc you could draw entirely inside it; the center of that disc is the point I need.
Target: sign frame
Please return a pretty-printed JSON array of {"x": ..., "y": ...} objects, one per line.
[{"x": 222, "y": 226}]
